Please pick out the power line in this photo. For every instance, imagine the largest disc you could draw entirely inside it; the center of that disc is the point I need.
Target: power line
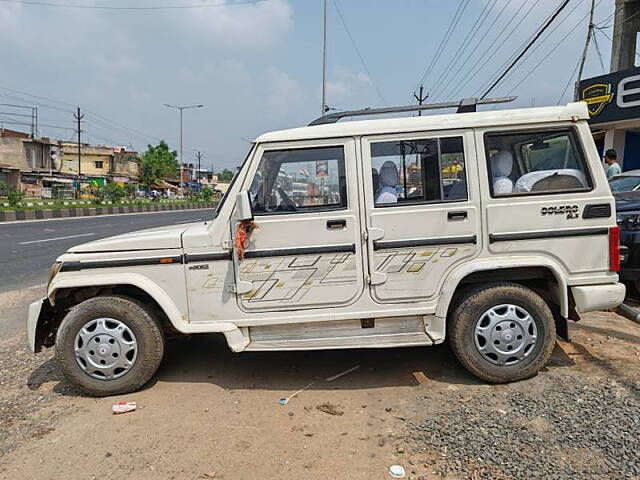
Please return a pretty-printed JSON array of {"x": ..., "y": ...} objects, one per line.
[
  {"x": 355, "y": 47},
  {"x": 533, "y": 50},
  {"x": 480, "y": 61},
  {"x": 486, "y": 32},
  {"x": 452, "y": 26},
  {"x": 611, "y": 40},
  {"x": 568, "y": 82},
  {"x": 475, "y": 28},
  {"x": 544, "y": 27},
  {"x": 595, "y": 42},
  {"x": 148, "y": 8},
  {"x": 545, "y": 57}
]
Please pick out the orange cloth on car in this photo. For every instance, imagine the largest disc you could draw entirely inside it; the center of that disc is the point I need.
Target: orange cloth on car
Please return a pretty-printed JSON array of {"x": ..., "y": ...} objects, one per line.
[{"x": 243, "y": 232}]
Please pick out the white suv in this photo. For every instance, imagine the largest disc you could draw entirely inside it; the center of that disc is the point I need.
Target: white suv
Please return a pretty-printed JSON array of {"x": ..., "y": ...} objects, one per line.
[{"x": 491, "y": 228}]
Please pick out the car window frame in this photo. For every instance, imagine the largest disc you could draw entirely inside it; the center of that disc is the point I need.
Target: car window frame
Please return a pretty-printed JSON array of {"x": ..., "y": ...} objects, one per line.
[
  {"x": 422, "y": 136},
  {"x": 580, "y": 150},
  {"x": 306, "y": 210}
]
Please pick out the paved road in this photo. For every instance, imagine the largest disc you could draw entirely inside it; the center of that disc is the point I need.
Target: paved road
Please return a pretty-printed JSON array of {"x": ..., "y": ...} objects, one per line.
[{"x": 27, "y": 249}]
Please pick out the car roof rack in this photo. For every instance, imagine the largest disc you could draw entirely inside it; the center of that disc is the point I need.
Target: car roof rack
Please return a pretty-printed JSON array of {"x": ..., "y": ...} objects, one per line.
[{"x": 465, "y": 105}]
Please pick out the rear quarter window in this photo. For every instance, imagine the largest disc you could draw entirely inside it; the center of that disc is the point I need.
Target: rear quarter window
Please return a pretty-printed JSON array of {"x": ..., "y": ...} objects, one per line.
[{"x": 536, "y": 162}]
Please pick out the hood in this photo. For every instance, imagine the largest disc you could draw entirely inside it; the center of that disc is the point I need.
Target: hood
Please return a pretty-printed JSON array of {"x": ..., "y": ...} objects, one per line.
[
  {"x": 149, "y": 239},
  {"x": 627, "y": 201}
]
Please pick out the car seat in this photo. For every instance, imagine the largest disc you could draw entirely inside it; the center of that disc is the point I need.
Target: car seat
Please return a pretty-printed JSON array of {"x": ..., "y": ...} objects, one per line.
[
  {"x": 547, "y": 180},
  {"x": 388, "y": 181},
  {"x": 501, "y": 167}
]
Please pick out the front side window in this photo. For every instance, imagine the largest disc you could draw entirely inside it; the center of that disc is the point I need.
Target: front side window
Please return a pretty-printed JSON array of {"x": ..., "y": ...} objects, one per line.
[
  {"x": 522, "y": 163},
  {"x": 418, "y": 171},
  {"x": 299, "y": 180}
]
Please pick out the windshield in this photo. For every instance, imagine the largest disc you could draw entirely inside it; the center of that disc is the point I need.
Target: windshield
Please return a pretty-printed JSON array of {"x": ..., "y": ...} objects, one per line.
[
  {"x": 233, "y": 181},
  {"x": 624, "y": 183}
]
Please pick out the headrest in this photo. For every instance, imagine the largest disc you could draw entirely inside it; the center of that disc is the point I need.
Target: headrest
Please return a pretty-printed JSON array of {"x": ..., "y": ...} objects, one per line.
[
  {"x": 388, "y": 174},
  {"x": 502, "y": 164}
]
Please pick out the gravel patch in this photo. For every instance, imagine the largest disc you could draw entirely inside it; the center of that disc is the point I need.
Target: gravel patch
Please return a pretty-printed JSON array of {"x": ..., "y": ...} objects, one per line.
[
  {"x": 29, "y": 385},
  {"x": 568, "y": 429}
]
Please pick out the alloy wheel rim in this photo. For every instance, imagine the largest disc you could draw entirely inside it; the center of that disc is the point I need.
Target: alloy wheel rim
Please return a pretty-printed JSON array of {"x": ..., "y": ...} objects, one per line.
[
  {"x": 105, "y": 348},
  {"x": 505, "y": 335}
]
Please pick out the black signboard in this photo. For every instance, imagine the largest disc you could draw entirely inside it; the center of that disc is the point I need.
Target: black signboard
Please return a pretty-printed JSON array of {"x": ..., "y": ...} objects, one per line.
[{"x": 612, "y": 97}]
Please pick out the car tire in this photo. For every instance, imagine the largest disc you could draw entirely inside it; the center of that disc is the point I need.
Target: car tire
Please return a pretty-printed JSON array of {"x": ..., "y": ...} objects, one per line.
[
  {"x": 109, "y": 345},
  {"x": 502, "y": 332}
]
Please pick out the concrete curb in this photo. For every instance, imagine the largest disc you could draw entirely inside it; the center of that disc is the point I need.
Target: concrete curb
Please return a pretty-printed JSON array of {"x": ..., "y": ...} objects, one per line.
[{"x": 12, "y": 216}]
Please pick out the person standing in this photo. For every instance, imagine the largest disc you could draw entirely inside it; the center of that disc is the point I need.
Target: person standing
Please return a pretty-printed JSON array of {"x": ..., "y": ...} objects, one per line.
[{"x": 611, "y": 159}]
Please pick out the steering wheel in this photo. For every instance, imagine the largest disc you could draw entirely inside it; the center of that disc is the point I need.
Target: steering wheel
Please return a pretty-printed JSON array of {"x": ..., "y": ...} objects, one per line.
[{"x": 287, "y": 200}]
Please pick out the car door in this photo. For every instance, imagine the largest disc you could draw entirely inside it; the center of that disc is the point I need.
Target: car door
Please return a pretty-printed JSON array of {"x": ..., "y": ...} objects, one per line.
[
  {"x": 306, "y": 251},
  {"x": 423, "y": 212}
]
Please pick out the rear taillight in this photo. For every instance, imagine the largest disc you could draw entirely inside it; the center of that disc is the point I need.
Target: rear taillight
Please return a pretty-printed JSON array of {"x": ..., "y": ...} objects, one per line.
[{"x": 614, "y": 249}]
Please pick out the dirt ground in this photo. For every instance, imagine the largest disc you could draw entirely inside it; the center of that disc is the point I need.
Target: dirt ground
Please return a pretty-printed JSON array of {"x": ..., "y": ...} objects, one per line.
[{"x": 210, "y": 413}]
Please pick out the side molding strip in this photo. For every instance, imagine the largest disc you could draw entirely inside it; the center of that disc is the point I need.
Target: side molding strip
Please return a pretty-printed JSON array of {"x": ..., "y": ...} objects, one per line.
[
  {"x": 207, "y": 257},
  {"x": 129, "y": 262},
  {"x": 281, "y": 252},
  {"x": 576, "y": 232},
  {"x": 424, "y": 242}
]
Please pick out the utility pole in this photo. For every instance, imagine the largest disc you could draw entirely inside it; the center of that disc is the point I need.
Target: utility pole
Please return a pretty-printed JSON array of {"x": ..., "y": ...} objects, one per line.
[
  {"x": 420, "y": 98},
  {"x": 576, "y": 94},
  {"x": 182, "y": 108},
  {"x": 324, "y": 63},
  {"x": 199, "y": 157},
  {"x": 78, "y": 116}
]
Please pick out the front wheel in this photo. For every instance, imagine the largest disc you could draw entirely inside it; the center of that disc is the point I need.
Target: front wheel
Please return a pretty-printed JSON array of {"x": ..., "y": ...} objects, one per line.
[
  {"x": 502, "y": 332},
  {"x": 109, "y": 345}
]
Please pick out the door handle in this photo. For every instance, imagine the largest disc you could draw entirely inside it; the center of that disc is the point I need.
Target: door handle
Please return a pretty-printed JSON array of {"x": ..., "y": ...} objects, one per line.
[
  {"x": 336, "y": 224},
  {"x": 461, "y": 215}
]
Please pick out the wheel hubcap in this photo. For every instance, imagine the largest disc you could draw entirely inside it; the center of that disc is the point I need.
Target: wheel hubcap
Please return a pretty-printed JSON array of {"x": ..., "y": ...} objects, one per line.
[
  {"x": 505, "y": 334},
  {"x": 105, "y": 348}
]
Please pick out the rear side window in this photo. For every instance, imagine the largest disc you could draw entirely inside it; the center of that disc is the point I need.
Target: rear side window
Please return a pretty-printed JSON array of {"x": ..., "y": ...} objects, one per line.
[
  {"x": 536, "y": 162},
  {"x": 299, "y": 180},
  {"x": 418, "y": 171}
]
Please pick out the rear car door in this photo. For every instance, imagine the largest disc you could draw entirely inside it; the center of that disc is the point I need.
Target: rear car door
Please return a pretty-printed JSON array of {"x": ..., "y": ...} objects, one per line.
[
  {"x": 423, "y": 213},
  {"x": 306, "y": 251}
]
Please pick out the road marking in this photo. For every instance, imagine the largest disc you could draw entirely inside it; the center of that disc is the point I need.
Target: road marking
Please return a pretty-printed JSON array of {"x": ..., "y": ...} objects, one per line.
[
  {"x": 57, "y": 238},
  {"x": 188, "y": 221}
]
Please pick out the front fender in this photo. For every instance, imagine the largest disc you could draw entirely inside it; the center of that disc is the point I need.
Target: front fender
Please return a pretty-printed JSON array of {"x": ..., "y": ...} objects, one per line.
[
  {"x": 457, "y": 275},
  {"x": 175, "y": 316}
]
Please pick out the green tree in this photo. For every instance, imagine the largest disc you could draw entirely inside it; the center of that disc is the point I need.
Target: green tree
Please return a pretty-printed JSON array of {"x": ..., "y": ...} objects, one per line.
[
  {"x": 158, "y": 163},
  {"x": 225, "y": 176}
]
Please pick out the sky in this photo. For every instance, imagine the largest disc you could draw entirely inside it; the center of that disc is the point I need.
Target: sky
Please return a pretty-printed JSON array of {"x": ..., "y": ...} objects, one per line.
[{"x": 257, "y": 66}]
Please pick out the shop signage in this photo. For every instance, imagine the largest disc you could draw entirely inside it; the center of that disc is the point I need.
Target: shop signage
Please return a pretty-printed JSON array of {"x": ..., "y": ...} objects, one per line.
[{"x": 612, "y": 97}]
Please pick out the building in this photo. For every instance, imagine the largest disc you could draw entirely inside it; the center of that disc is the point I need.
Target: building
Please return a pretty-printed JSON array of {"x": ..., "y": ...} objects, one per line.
[
  {"x": 125, "y": 166},
  {"x": 29, "y": 164},
  {"x": 614, "y": 99},
  {"x": 93, "y": 165},
  {"x": 100, "y": 164}
]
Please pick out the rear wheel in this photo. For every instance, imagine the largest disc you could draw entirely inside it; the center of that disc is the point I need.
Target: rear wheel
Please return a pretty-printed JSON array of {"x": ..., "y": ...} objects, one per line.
[
  {"x": 502, "y": 332},
  {"x": 109, "y": 345}
]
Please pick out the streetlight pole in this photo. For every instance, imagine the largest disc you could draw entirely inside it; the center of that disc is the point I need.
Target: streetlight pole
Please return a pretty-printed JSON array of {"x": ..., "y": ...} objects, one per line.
[{"x": 182, "y": 108}]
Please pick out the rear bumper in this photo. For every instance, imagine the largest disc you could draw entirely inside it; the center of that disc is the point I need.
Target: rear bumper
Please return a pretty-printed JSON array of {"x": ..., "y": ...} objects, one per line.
[
  {"x": 590, "y": 298},
  {"x": 33, "y": 316}
]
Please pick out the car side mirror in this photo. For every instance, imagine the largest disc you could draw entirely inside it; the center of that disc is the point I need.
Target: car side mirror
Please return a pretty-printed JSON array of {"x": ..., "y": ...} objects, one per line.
[{"x": 243, "y": 207}]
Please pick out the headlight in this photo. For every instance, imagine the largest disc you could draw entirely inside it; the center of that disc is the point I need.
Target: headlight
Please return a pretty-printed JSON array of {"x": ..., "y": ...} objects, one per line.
[
  {"x": 628, "y": 221},
  {"x": 53, "y": 271}
]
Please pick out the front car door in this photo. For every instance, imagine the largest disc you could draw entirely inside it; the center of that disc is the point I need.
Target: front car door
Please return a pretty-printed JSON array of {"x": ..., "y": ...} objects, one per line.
[
  {"x": 306, "y": 250},
  {"x": 422, "y": 209}
]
